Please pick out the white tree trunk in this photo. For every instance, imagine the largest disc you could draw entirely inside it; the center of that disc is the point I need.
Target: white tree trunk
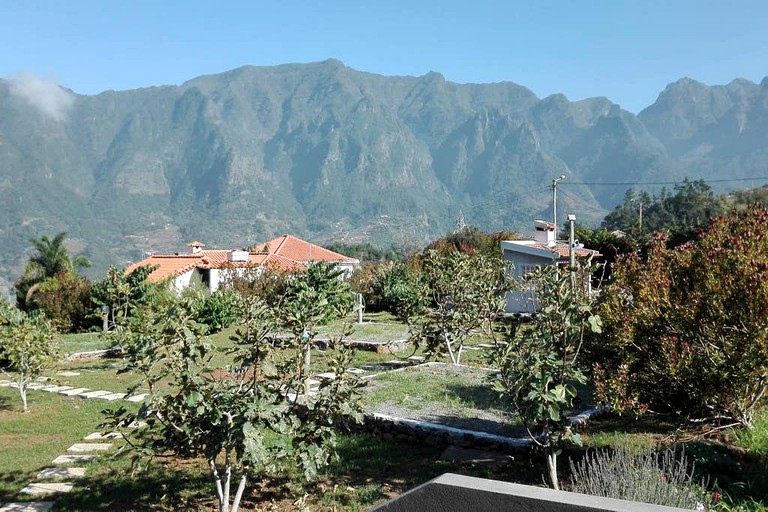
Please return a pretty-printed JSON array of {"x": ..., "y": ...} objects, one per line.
[{"x": 552, "y": 467}]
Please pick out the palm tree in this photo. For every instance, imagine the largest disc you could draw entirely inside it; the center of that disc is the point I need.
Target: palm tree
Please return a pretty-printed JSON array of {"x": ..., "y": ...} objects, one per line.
[{"x": 50, "y": 258}]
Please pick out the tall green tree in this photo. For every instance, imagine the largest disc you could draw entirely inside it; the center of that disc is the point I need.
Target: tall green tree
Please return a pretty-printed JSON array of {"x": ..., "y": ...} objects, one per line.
[
  {"x": 50, "y": 258},
  {"x": 539, "y": 366},
  {"x": 121, "y": 293}
]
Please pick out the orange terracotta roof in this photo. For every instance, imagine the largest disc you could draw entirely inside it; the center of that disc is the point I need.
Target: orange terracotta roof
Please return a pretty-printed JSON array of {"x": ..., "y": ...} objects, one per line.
[
  {"x": 168, "y": 265},
  {"x": 174, "y": 265},
  {"x": 300, "y": 250}
]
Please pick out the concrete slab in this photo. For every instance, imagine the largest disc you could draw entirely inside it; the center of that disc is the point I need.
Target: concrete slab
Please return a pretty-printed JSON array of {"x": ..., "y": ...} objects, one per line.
[
  {"x": 113, "y": 396},
  {"x": 417, "y": 359},
  {"x": 94, "y": 394},
  {"x": 28, "y": 506},
  {"x": 60, "y": 473},
  {"x": 73, "y": 459},
  {"x": 6, "y": 383},
  {"x": 74, "y": 391},
  {"x": 98, "y": 436},
  {"x": 458, "y": 492},
  {"x": 47, "y": 488},
  {"x": 356, "y": 371},
  {"x": 137, "y": 398},
  {"x": 326, "y": 375},
  {"x": 53, "y": 388},
  {"x": 31, "y": 385},
  {"x": 89, "y": 447}
]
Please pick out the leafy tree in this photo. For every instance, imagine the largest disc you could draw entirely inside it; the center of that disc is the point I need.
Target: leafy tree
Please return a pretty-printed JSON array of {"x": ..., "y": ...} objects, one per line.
[
  {"x": 250, "y": 418},
  {"x": 123, "y": 292},
  {"x": 686, "y": 328},
  {"x": 471, "y": 240},
  {"x": 463, "y": 294},
  {"x": 539, "y": 365},
  {"x": 609, "y": 244},
  {"x": 266, "y": 284},
  {"x": 65, "y": 299},
  {"x": 28, "y": 347},
  {"x": 218, "y": 310},
  {"x": 681, "y": 214},
  {"x": 51, "y": 257}
]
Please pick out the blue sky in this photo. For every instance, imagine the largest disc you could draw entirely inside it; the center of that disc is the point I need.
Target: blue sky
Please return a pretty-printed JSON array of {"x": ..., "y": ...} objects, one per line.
[{"x": 625, "y": 50}]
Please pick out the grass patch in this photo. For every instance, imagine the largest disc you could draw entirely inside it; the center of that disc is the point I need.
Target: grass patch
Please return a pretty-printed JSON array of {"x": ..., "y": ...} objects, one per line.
[
  {"x": 457, "y": 396},
  {"x": 83, "y": 342}
]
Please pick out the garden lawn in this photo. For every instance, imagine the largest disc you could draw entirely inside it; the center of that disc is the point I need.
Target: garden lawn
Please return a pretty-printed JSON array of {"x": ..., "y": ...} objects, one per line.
[{"x": 30, "y": 441}]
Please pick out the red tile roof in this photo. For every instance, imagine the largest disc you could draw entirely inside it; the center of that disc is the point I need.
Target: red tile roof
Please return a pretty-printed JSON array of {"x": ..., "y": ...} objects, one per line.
[
  {"x": 286, "y": 253},
  {"x": 300, "y": 250}
]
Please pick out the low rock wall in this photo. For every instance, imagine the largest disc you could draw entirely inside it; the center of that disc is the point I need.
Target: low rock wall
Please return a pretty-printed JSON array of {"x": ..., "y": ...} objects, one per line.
[{"x": 433, "y": 434}]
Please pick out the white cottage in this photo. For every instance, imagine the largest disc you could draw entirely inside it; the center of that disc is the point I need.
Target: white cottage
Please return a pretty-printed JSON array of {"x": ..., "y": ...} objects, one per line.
[{"x": 526, "y": 255}]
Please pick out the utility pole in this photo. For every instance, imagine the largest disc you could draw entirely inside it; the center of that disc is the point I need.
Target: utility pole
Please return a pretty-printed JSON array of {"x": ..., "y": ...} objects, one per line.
[
  {"x": 555, "y": 181},
  {"x": 572, "y": 249}
]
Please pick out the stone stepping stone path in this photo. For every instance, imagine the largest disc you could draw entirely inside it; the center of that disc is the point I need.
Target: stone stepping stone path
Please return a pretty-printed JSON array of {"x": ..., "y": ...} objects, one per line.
[
  {"x": 56, "y": 480},
  {"x": 60, "y": 473},
  {"x": 89, "y": 447},
  {"x": 73, "y": 459},
  {"x": 47, "y": 488},
  {"x": 27, "y": 506}
]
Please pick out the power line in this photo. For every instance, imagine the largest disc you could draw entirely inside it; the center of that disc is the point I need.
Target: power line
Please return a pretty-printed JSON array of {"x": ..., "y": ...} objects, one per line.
[{"x": 609, "y": 183}]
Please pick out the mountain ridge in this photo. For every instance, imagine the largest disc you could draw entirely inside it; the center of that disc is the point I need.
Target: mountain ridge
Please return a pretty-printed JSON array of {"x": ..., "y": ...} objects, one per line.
[{"x": 330, "y": 153}]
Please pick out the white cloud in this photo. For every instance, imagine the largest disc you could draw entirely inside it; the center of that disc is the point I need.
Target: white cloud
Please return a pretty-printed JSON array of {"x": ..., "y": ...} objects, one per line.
[{"x": 43, "y": 94}]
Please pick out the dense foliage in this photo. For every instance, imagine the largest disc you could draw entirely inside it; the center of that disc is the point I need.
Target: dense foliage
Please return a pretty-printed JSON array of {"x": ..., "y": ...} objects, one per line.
[
  {"x": 50, "y": 259},
  {"x": 65, "y": 299},
  {"x": 681, "y": 214},
  {"x": 687, "y": 329},
  {"x": 122, "y": 293}
]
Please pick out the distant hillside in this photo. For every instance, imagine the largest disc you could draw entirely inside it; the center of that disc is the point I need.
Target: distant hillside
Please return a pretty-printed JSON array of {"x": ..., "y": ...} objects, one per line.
[{"x": 333, "y": 154}]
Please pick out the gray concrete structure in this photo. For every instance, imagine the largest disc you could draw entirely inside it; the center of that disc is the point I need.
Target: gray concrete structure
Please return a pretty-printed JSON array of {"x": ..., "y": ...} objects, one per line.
[{"x": 451, "y": 492}]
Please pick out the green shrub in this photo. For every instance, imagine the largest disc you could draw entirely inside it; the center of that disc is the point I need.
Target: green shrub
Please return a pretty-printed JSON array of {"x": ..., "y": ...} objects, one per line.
[
  {"x": 651, "y": 477},
  {"x": 218, "y": 310},
  {"x": 685, "y": 329}
]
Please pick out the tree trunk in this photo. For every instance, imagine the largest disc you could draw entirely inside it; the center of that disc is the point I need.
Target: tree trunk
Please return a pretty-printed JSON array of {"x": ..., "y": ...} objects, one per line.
[
  {"x": 307, "y": 362},
  {"x": 23, "y": 393},
  {"x": 552, "y": 467},
  {"x": 239, "y": 493}
]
